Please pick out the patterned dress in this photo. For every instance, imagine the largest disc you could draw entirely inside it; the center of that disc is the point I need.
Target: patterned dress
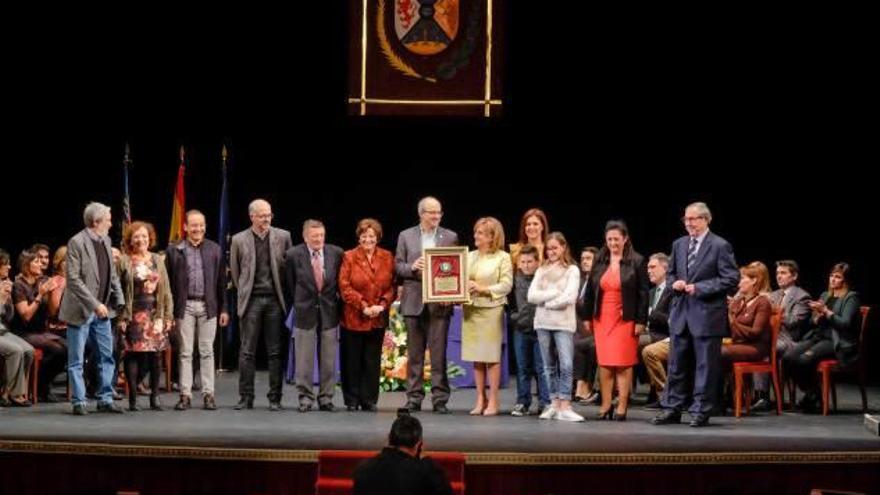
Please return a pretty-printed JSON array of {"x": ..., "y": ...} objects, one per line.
[{"x": 146, "y": 331}]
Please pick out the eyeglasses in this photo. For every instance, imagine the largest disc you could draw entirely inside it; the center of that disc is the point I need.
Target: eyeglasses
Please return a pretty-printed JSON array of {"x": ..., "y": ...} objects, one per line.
[
  {"x": 434, "y": 212},
  {"x": 692, "y": 219},
  {"x": 263, "y": 215}
]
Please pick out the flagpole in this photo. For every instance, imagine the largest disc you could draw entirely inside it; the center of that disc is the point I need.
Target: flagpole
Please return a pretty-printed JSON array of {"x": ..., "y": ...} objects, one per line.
[{"x": 223, "y": 237}]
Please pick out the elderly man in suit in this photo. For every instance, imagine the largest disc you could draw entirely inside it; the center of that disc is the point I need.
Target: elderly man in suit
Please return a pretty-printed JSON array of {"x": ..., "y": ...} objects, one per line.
[
  {"x": 256, "y": 260},
  {"x": 794, "y": 303},
  {"x": 702, "y": 270},
  {"x": 427, "y": 325},
  {"x": 90, "y": 301},
  {"x": 312, "y": 271}
]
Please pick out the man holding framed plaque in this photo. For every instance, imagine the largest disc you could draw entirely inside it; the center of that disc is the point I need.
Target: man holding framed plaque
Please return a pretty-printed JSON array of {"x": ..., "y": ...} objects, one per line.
[{"x": 427, "y": 322}]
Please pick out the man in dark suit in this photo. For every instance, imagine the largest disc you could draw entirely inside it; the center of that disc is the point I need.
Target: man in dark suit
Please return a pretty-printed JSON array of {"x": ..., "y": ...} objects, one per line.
[
  {"x": 400, "y": 469},
  {"x": 256, "y": 260},
  {"x": 654, "y": 344},
  {"x": 702, "y": 271},
  {"x": 197, "y": 275},
  {"x": 312, "y": 271},
  {"x": 427, "y": 325}
]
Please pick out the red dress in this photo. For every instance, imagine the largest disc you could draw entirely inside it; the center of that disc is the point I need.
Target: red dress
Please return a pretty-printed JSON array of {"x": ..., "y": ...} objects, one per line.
[{"x": 616, "y": 342}]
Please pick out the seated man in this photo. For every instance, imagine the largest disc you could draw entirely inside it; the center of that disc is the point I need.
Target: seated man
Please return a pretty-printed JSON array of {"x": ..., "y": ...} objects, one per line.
[
  {"x": 400, "y": 468},
  {"x": 655, "y": 348}
]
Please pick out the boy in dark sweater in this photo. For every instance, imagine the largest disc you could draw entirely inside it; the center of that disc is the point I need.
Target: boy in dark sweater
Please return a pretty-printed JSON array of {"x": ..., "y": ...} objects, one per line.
[{"x": 525, "y": 341}]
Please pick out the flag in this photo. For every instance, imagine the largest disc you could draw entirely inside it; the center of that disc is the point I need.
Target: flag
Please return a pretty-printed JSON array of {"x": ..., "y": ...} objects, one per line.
[
  {"x": 126, "y": 201},
  {"x": 178, "y": 207}
]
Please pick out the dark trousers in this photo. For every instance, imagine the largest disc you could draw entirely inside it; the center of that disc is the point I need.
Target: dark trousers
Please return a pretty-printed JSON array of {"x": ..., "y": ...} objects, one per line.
[
  {"x": 54, "y": 357},
  {"x": 427, "y": 331},
  {"x": 800, "y": 362},
  {"x": 137, "y": 365},
  {"x": 265, "y": 316},
  {"x": 698, "y": 358},
  {"x": 585, "y": 358},
  {"x": 361, "y": 355}
]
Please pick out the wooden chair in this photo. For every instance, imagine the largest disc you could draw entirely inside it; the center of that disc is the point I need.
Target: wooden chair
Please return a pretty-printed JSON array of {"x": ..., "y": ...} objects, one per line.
[
  {"x": 742, "y": 368},
  {"x": 34, "y": 377},
  {"x": 336, "y": 470},
  {"x": 827, "y": 367}
]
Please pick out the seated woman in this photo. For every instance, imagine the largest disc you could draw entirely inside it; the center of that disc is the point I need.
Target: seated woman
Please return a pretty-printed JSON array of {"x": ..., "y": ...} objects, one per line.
[
  {"x": 749, "y": 316},
  {"x": 15, "y": 353},
  {"x": 30, "y": 295},
  {"x": 835, "y": 335}
]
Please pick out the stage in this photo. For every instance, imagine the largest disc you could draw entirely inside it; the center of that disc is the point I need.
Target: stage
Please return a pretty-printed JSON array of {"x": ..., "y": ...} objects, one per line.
[{"x": 838, "y": 441}]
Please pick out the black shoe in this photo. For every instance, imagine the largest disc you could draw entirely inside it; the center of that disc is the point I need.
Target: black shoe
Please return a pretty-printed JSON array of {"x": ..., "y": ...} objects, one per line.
[
  {"x": 24, "y": 403},
  {"x": 133, "y": 406},
  {"x": 183, "y": 404},
  {"x": 413, "y": 406},
  {"x": 304, "y": 408},
  {"x": 79, "y": 410},
  {"x": 605, "y": 414},
  {"x": 699, "y": 421},
  {"x": 441, "y": 409},
  {"x": 667, "y": 417},
  {"x": 4, "y": 402},
  {"x": 244, "y": 403},
  {"x": 275, "y": 406},
  {"x": 619, "y": 417},
  {"x": 210, "y": 404},
  {"x": 110, "y": 408},
  {"x": 369, "y": 407},
  {"x": 155, "y": 404},
  {"x": 328, "y": 407}
]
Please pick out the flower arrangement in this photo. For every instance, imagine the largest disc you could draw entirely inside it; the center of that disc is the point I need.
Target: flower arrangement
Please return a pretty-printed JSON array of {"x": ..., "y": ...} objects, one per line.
[{"x": 394, "y": 362}]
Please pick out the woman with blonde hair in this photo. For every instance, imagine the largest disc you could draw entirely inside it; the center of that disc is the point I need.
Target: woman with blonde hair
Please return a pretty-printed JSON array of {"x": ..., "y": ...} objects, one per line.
[{"x": 490, "y": 279}]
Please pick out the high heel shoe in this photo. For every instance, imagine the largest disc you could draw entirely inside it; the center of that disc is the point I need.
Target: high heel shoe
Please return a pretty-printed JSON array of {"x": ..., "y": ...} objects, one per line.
[
  {"x": 477, "y": 411},
  {"x": 609, "y": 414},
  {"x": 619, "y": 417}
]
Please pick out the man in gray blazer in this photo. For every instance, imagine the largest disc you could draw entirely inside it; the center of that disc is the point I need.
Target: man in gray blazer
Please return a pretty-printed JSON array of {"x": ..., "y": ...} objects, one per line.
[
  {"x": 256, "y": 260},
  {"x": 794, "y": 303},
  {"x": 90, "y": 301},
  {"x": 312, "y": 270},
  {"x": 427, "y": 325}
]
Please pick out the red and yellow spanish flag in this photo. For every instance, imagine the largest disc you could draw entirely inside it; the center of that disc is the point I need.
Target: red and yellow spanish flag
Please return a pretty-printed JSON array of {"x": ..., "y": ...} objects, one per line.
[{"x": 178, "y": 207}]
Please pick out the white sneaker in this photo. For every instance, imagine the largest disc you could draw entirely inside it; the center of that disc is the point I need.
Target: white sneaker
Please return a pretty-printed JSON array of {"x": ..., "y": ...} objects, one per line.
[
  {"x": 569, "y": 415},
  {"x": 549, "y": 413}
]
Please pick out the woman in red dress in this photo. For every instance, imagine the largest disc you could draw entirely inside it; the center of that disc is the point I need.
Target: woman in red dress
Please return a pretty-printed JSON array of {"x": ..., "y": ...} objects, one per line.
[{"x": 616, "y": 309}]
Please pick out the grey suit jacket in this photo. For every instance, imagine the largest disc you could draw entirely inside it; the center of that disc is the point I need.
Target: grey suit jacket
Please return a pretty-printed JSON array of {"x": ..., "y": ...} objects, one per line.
[
  {"x": 796, "y": 313},
  {"x": 409, "y": 249},
  {"x": 303, "y": 290},
  {"x": 80, "y": 298},
  {"x": 243, "y": 260}
]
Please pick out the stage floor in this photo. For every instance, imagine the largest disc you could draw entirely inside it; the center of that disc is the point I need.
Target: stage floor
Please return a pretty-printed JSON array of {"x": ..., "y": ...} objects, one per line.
[{"x": 290, "y": 435}]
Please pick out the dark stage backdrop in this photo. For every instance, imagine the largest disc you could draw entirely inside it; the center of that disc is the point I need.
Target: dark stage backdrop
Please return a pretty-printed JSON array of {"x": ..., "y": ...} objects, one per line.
[{"x": 603, "y": 118}]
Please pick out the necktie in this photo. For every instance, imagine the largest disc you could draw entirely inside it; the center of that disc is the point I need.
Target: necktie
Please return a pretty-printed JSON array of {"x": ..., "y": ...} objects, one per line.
[
  {"x": 657, "y": 292},
  {"x": 318, "y": 270},
  {"x": 782, "y": 301},
  {"x": 692, "y": 253}
]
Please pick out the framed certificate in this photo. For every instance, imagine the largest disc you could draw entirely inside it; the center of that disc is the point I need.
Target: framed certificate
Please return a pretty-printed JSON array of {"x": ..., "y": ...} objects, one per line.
[{"x": 445, "y": 276}]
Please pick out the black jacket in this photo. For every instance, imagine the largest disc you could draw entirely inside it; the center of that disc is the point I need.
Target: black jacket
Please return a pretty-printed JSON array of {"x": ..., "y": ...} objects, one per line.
[
  {"x": 522, "y": 313},
  {"x": 634, "y": 288},
  {"x": 658, "y": 320},
  {"x": 393, "y": 472},
  {"x": 214, "y": 269},
  {"x": 302, "y": 291}
]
